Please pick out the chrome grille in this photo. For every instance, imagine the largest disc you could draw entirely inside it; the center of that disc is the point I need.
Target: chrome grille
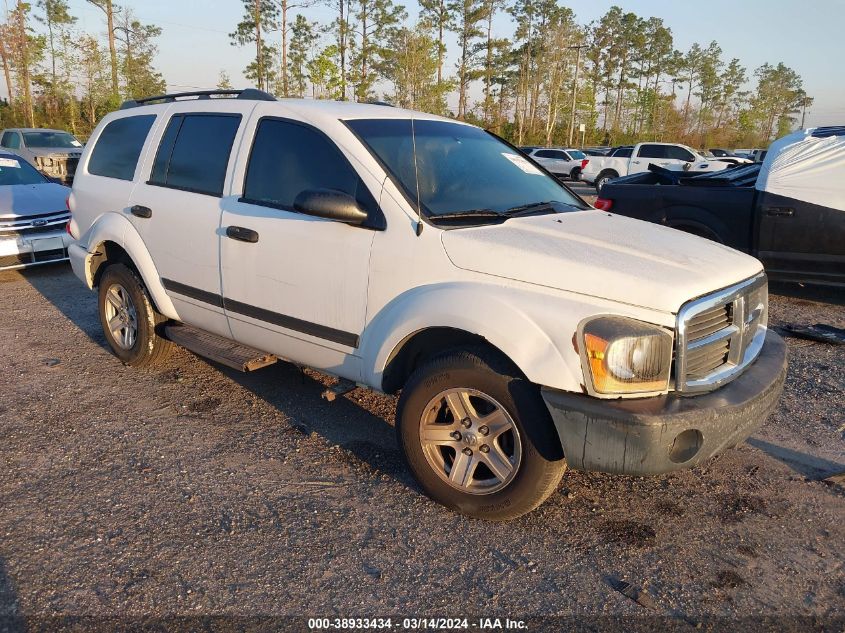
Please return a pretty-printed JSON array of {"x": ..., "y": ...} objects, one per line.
[
  {"x": 720, "y": 334},
  {"x": 41, "y": 223}
]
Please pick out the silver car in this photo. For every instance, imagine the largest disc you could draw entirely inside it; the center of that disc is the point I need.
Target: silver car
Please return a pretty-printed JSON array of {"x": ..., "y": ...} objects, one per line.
[
  {"x": 54, "y": 153},
  {"x": 33, "y": 216}
]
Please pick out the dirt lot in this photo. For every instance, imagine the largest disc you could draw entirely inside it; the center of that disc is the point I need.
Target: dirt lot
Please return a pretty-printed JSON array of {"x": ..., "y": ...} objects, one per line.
[{"x": 192, "y": 490}]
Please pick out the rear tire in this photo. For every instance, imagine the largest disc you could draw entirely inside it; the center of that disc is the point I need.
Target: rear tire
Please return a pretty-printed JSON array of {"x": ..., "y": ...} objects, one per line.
[
  {"x": 604, "y": 179},
  {"x": 129, "y": 320},
  {"x": 499, "y": 457}
]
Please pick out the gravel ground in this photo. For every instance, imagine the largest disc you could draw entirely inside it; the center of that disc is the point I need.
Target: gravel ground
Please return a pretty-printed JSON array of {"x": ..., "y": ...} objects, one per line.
[{"x": 193, "y": 490}]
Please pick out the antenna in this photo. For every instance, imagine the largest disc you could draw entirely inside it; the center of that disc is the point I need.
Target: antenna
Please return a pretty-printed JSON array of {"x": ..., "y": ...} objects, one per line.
[{"x": 416, "y": 178}]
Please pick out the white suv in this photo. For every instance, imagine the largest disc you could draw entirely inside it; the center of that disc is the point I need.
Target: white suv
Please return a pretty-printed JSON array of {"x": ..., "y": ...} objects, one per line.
[{"x": 403, "y": 251}]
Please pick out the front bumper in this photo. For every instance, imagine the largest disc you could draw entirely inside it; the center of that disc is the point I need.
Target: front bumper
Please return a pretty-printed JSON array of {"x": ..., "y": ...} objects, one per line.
[
  {"x": 650, "y": 436},
  {"x": 24, "y": 251}
]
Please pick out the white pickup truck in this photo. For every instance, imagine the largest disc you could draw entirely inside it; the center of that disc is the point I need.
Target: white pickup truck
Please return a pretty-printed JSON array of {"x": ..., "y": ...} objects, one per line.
[
  {"x": 404, "y": 252},
  {"x": 634, "y": 159}
]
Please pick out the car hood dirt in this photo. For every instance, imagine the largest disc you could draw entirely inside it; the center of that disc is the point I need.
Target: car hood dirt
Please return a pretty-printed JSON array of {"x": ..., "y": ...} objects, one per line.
[
  {"x": 602, "y": 255},
  {"x": 18, "y": 200}
]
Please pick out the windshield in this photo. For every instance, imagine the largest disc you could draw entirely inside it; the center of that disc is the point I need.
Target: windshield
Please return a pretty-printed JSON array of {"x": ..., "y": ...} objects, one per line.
[
  {"x": 58, "y": 140},
  {"x": 18, "y": 172},
  {"x": 577, "y": 154},
  {"x": 452, "y": 168}
]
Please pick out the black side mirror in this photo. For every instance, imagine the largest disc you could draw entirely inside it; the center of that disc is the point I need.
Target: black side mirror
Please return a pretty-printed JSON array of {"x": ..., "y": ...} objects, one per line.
[{"x": 330, "y": 204}]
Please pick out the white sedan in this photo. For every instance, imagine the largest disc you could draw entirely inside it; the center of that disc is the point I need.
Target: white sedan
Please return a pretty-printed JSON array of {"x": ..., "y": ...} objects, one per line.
[{"x": 561, "y": 162}]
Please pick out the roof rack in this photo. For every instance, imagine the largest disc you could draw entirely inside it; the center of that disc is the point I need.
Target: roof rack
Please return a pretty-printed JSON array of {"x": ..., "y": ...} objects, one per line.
[{"x": 251, "y": 94}]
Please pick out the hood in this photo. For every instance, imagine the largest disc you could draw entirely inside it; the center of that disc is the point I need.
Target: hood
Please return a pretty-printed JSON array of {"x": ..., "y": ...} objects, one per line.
[
  {"x": 55, "y": 151},
  {"x": 17, "y": 200},
  {"x": 601, "y": 255}
]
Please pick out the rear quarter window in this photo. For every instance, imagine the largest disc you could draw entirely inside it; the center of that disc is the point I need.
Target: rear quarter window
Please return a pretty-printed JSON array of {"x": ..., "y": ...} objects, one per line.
[{"x": 119, "y": 146}]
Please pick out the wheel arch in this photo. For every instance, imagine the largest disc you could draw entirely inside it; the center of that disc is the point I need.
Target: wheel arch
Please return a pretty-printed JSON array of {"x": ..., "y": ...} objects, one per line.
[
  {"x": 112, "y": 239},
  {"x": 429, "y": 320}
]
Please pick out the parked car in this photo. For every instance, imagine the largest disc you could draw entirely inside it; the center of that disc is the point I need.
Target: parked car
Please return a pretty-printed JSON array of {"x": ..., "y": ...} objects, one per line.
[
  {"x": 722, "y": 157},
  {"x": 33, "y": 216},
  {"x": 54, "y": 153},
  {"x": 565, "y": 163},
  {"x": 597, "y": 151},
  {"x": 399, "y": 250},
  {"x": 789, "y": 211},
  {"x": 631, "y": 160}
]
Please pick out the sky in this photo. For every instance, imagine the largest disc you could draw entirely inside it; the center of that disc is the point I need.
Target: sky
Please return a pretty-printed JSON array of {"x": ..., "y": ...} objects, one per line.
[{"x": 806, "y": 36}]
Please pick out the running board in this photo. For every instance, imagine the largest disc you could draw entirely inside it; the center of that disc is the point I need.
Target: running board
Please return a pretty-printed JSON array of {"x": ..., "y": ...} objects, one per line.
[{"x": 217, "y": 348}]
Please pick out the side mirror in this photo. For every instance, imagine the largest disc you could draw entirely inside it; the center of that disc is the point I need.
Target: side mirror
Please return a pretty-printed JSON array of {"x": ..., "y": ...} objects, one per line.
[
  {"x": 687, "y": 166},
  {"x": 330, "y": 204}
]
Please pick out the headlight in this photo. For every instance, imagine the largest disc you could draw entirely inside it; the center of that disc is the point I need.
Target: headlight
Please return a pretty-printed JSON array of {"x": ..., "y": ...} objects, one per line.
[{"x": 626, "y": 356}]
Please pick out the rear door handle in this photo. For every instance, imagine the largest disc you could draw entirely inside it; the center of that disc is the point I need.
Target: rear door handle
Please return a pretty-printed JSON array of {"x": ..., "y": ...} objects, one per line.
[
  {"x": 782, "y": 211},
  {"x": 140, "y": 211},
  {"x": 242, "y": 234},
  {"x": 636, "y": 162}
]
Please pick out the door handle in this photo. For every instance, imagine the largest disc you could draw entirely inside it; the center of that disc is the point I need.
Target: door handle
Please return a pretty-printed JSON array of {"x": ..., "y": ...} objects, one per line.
[
  {"x": 140, "y": 211},
  {"x": 782, "y": 211},
  {"x": 636, "y": 162},
  {"x": 241, "y": 234}
]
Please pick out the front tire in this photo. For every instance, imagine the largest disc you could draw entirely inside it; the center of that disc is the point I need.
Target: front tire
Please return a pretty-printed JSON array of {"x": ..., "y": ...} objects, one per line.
[
  {"x": 129, "y": 319},
  {"x": 477, "y": 436}
]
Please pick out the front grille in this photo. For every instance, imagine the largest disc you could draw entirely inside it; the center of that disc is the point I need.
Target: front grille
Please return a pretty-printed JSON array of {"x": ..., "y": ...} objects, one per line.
[
  {"x": 35, "y": 224},
  {"x": 720, "y": 334}
]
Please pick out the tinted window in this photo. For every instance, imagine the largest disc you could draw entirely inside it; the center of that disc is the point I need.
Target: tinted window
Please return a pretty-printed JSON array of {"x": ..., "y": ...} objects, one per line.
[
  {"x": 18, "y": 172},
  {"x": 550, "y": 153},
  {"x": 288, "y": 158},
  {"x": 11, "y": 140},
  {"x": 623, "y": 152},
  {"x": 652, "y": 151},
  {"x": 577, "y": 154},
  {"x": 117, "y": 150},
  {"x": 194, "y": 152},
  {"x": 679, "y": 153},
  {"x": 454, "y": 168},
  {"x": 55, "y": 140}
]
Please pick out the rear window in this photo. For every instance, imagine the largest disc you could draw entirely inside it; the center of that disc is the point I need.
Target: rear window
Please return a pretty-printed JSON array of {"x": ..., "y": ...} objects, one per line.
[
  {"x": 550, "y": 153},
  {"x": 623, "y": 152},
  {"x": 119, "y": 146},
  {"x": 194, "y": 152}
]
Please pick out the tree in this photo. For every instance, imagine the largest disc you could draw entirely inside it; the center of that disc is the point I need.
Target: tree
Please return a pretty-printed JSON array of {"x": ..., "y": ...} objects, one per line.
[
  {"x": 26, "y": 50},
  {"x": 56, "y": 18},
  {"x": 223, "y": 81},
  {"x": 303, "y": 40},
  {"x": 259, "y": 17},
  {"x": 324, "y": 75},
  {"x": 286, "y": 6},
  {"x": 140, "y": 78},
  {"x": 437, "y": 14},
  {"x": 411, "y": 66},
  {"x": 376, "y": 19},
  {"x": 6, "y": 60},
  {"x": 93, "y": 79},
  {"x": 490, "y": 8},
  {"x": 107, "y": 8},
  {"x": 780, "y": 92}
]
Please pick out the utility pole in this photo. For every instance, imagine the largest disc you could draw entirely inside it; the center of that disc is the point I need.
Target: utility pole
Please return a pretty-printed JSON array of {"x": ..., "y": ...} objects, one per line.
[{"x": 578, "y": 48}]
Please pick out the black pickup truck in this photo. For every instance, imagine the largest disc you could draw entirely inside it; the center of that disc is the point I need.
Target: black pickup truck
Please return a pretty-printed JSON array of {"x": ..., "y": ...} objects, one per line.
[{"x": 796, "y": 240}]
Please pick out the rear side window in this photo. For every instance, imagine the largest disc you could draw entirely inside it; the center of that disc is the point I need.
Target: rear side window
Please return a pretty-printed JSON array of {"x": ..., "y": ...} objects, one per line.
[
  {"x": 287, "y": 158},
  {"x": 624, "y": 152},
  {"x": 194, "y": 152},
  {"x": 11, "y": 140},
  {"x": 119, "y": 146},
  {"x": 653, "y": 151},
  {"x": 550, "y": 153}
]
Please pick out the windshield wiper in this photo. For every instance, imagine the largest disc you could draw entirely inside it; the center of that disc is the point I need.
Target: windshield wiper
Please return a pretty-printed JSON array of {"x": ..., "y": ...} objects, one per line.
[
  {"x": 470, "y": 214},
  {"x": 529, "y": 208}
]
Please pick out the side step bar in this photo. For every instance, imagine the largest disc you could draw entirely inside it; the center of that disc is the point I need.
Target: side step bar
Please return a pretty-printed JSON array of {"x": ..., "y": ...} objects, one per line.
[{"x": 217, "y": 348}]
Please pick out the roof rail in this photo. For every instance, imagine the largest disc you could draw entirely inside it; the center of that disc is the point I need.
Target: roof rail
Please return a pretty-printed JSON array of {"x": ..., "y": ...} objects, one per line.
[{"x": 251, "y": 94}]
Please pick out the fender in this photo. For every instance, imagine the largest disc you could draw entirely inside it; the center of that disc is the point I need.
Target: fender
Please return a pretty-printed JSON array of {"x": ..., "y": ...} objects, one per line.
[
  {"x": 493, "y": 312},
  {"x": 113, "y": 227}
]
